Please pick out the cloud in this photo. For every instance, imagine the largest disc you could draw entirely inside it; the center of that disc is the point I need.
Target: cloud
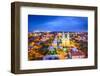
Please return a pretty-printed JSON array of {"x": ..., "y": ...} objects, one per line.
[{"x": 63, "y": 23}]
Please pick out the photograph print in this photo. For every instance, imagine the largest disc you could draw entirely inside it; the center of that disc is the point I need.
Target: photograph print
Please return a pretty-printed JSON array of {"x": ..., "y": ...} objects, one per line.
[
  {"x": 57, "y": 37},
  {"x": 53, "y": 37}
]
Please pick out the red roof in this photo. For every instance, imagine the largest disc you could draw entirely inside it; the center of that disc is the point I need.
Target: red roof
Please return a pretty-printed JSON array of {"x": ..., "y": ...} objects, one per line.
[{"x": 78, "y": 53}]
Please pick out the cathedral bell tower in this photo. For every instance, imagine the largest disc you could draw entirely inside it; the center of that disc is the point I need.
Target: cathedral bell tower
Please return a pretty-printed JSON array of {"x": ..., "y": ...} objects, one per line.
[{"x": 65, "y": 40}]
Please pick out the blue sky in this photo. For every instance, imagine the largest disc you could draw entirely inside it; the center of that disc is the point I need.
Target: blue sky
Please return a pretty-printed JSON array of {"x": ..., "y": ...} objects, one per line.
[{"x": 45, "y": 23}]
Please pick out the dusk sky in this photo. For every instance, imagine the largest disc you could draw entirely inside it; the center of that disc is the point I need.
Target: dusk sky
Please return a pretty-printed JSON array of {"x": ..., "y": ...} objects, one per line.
[{"x": 44, "y": 23}]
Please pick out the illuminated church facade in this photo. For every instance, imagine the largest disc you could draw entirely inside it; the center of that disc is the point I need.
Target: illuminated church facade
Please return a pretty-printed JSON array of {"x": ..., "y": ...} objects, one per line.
[{"x": 65, "y": 39}]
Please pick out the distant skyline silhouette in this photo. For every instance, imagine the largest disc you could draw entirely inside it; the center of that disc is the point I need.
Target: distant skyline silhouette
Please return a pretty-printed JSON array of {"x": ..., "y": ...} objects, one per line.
[{"x": 44, "y": 23}]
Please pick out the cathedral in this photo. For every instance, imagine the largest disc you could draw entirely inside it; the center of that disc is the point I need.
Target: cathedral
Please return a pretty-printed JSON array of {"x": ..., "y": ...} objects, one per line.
[{"x": 65, "y": 39}]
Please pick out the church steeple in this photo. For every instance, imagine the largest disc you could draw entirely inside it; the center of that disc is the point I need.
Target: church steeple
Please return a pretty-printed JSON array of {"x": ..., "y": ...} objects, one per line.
[
  {"x": 65, "y": 40},
  {"x": 63, "y": 36}
]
